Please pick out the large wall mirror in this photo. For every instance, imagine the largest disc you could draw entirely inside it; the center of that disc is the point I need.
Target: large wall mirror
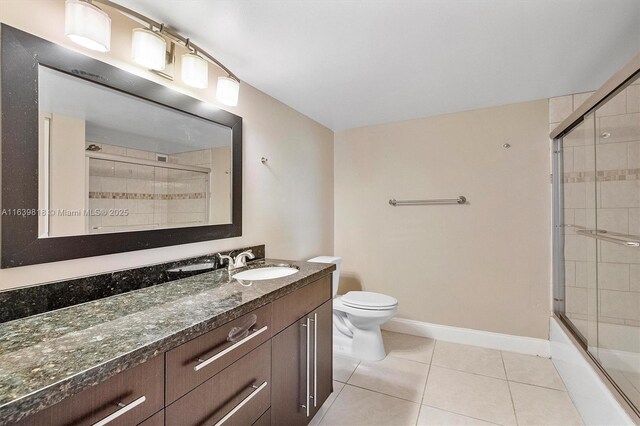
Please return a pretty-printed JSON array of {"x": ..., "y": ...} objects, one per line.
[{"x": 96, "y": 160}]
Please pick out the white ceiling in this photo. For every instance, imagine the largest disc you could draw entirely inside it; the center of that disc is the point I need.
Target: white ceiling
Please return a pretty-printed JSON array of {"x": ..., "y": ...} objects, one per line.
[{"x": 358, "y": 62}]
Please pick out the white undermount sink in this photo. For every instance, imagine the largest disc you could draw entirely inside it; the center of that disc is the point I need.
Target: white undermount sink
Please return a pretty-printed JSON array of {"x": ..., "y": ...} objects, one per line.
[{"x": 265, "y": 273}]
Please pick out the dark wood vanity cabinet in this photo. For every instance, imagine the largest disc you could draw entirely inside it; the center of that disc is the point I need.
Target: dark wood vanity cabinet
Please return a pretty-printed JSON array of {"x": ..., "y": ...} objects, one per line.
[
  {"x": 302, "y": 372},
  {"x": 128, "y": 398},
  {"x": 270, "y": 366}
]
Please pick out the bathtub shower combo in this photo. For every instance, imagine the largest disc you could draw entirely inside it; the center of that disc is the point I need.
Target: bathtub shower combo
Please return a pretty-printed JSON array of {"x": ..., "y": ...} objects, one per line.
[{"x": 597, "y": 230}]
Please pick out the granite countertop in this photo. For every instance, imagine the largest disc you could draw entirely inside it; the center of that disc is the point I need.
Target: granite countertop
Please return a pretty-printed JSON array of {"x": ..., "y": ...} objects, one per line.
[{"x": 48, "y": 357}]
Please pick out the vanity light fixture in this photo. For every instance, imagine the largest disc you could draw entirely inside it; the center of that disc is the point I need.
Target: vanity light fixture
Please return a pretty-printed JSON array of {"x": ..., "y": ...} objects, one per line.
[
  {"x": 149, "y": 49},
  {"x": 195, "y": 70},
  {"x": 227, "y": 91},
  {"x": 89, "y": 26}
]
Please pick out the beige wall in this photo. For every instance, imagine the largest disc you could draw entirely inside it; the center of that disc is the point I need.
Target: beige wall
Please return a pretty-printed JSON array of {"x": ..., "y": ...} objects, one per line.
[
  {"x": 485, "y": 265},
  {"x": 288, "y": 205},
  {"x": 67, "y": 177}
]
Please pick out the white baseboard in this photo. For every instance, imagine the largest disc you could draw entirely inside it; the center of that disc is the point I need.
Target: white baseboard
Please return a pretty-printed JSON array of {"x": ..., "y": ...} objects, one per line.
[{"x": 468, "y": 336}]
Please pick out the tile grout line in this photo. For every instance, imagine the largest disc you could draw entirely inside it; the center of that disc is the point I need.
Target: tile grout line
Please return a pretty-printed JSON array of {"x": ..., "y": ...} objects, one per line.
[
  {"x": 353, "y": 372},
  {"x": 382, "y": 393},
  {"x": 331, "y": 405},
  {"x": 424, "y": 389},
  {"x": 462, "y": 415},
  {"x": 422, "y": 404},
  {"x": 513, "y": 405},
  {"x": 470, "y": 372}
]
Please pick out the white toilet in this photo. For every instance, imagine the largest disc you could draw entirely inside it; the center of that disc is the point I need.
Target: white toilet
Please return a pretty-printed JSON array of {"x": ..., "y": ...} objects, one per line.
[{"x": 357, "y": 317}]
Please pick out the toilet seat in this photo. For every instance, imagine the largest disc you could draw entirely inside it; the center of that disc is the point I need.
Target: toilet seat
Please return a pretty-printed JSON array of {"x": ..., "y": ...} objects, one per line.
[{"x": 368, "y": 300}]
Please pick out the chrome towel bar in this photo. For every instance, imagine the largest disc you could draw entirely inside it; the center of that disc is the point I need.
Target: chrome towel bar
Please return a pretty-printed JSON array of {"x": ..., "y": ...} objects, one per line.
[
  {"x": 600, "y": 234},
  {"x": 460, "y": 200}
]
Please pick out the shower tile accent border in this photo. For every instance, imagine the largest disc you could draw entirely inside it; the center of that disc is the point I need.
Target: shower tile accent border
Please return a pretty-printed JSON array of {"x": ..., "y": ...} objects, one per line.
[
  {"x": 41, "y": 298},
  {"x": 602, "y": 175},
  {"x": 144, "y": 196}
]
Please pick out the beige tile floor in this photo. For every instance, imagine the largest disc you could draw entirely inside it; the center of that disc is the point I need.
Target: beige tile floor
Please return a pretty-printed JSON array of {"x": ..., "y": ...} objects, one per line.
[{"x": 428, "y": 382}]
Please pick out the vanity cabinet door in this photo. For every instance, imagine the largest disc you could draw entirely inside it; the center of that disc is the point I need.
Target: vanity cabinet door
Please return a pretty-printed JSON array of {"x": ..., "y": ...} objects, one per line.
[
  {"x": 289, "y": 375},
  {"x": 322, "y": 355},
  {"x": 302, "y": 368}
]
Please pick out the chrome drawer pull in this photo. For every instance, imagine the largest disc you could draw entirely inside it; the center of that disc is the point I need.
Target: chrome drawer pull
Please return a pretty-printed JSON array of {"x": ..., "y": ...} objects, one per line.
[
  {"x": 204, "y": 362},
  {"x": 121, "y": 411},
  {"x": 242, "y": 403},
  {"x": 307, "y": 405},
  {"x": 315, "y": 359}
]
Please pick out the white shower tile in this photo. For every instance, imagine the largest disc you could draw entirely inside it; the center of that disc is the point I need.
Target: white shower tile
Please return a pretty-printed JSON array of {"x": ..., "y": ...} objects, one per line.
[
  {"x": 560, "y": 108},
  {"x": 613, "y": 276}
]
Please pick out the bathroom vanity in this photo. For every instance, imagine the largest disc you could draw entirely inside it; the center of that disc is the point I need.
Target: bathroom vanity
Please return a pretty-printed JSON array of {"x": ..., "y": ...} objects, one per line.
[
  {"x": 155, "y": 345},
  {"x": 207, "y": 349}
]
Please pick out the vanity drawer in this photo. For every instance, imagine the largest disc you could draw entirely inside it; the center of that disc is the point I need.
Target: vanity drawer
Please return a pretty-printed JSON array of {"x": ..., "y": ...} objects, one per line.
[
  {"x": 264, "y": 420},
  {"x": 239, "y": 394},
  {"x": 156, "y": 420},
  {"x": 293, "y": 306},
  {"x": 128, "y": 398},
  {"x": 199, "y": 359}
]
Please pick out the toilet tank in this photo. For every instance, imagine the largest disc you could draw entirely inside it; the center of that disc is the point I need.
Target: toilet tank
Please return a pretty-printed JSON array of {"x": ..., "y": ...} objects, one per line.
[{"x": 336, "y": 274}]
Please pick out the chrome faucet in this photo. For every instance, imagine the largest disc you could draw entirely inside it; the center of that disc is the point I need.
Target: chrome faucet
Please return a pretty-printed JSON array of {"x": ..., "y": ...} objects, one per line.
[
  {"x": 239, "y": 262},
  {"x": 241, "y": 259},
  {"x": 229, "y": 261}
]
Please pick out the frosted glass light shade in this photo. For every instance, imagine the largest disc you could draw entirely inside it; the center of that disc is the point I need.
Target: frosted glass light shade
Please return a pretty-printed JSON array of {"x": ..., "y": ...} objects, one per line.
[
  {"x": 87, "y": 25},
  {"x": 195, "y": 71},
  {"x": 227, "y": 91},
  {"x": 149, "y": 49}
]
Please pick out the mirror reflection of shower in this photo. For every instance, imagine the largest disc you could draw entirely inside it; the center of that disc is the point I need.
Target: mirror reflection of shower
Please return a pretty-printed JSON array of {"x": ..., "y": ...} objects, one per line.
[{"x": 112, "y": 162}]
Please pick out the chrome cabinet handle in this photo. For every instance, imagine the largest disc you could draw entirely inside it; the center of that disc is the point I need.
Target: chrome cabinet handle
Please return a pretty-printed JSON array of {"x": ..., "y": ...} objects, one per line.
[
  {"x": 123, "y": 409},
  {"x": 307, "y": 405},
  {"x": 315, "y": 359},
  {"x": 204, "y": 362},
  {"x": 600, "y": 234},
  {"x": 256, "y": 390}
]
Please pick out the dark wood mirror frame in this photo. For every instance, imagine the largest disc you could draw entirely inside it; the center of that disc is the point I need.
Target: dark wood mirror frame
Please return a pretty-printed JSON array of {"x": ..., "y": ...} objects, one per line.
[{"x": 21, "y": 54}]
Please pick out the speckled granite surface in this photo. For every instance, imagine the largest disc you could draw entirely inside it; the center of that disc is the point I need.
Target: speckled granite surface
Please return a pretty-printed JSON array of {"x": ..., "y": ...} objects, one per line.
[
  {"x": 48, "y": 357},
  {"x": 27, "y": 301}
]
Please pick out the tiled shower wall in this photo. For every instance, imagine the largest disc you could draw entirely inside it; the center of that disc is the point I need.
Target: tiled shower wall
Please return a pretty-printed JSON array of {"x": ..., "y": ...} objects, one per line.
[
  {"x": 189, "y": 210},
  {"x": 154, "y": 196},
  {"x": 616, "y": 195}
]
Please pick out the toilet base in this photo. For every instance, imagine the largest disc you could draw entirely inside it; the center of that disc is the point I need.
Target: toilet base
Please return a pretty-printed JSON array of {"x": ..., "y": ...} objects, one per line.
[
  {"x": 365, "y": 345},
  {"x": 368, "y": 345},
  {"x": 341, "y": 343}
]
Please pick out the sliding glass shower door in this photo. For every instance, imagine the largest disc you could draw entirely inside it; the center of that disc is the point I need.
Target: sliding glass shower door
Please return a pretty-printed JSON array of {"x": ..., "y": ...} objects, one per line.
[{"x": 597, "y": 234}]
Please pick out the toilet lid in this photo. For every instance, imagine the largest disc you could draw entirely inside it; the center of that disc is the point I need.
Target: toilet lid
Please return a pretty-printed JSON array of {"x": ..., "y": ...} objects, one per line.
[{"x": 368, "y": 300}]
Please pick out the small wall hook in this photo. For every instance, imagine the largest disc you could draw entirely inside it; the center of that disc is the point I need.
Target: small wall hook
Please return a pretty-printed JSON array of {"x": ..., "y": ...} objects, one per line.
[{"x": 264, "y": 160}]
